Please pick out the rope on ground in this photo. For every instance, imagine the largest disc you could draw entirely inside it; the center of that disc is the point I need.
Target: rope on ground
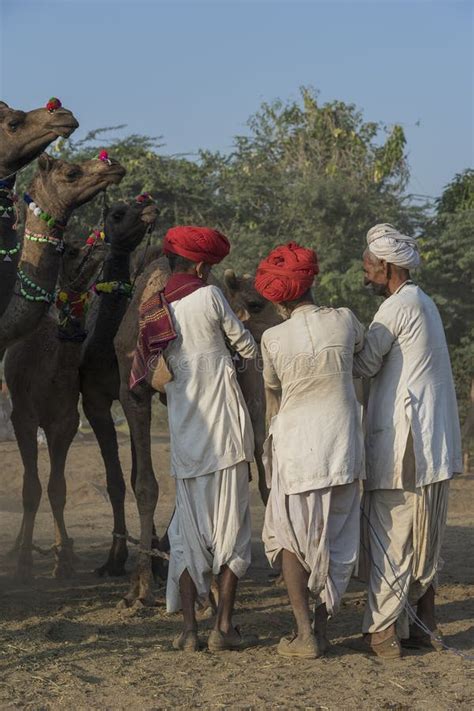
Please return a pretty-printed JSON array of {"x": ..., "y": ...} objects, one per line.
[
  {"x": 153, "y": 552},
  {"x": 43, "y": 551},
  {"x": 401, "y": 596},
  {"x": 55, "y": 548}
]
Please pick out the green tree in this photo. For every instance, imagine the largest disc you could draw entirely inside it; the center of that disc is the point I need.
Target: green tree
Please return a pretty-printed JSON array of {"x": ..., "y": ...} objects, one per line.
[
  {"x": 447, "y": 275},
  {"x": 317, "y": 174}
]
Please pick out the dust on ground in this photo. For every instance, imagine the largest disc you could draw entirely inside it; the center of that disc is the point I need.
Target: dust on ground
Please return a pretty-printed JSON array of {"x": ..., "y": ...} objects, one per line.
[{"x": 65, "y": 644}]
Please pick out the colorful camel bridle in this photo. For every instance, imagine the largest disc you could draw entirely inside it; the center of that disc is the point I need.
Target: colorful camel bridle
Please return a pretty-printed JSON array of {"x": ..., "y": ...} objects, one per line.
[{"x": 29, "y": 290}]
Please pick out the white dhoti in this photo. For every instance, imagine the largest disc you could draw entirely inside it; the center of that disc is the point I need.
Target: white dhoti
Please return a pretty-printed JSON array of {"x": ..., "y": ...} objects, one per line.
[
  {"x": 402, "y": 533},
  {"x": 321, "y": 528},
  {"x": 210, "y": 528}
]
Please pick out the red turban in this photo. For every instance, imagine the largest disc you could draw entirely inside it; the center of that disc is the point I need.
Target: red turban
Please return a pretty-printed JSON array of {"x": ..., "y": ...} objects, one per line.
[
  {"x": 198, "y": 244},
  {"x": 287, "y": 273}
]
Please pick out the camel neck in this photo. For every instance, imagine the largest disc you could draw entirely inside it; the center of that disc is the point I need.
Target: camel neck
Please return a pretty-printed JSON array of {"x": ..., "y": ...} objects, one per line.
[
  {"x": 8, "y": 216},
  {"x": 41, "y": 254},
  {"x": 10, "y": 247},
  {"x": 104, "y": 319},
  {"x": 34, "y": 288},
  {"x": 117, "y": 267},
  {"x": 45, "y": 222}
]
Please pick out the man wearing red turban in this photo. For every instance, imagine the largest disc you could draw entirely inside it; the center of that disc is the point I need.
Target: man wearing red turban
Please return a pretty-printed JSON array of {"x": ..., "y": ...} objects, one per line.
[
  {"x": 315, "y": 445},
  {"x": 287, "y": 273},
  {"x": 211, "y": 438},
  {"x": 197, "y": 244}
]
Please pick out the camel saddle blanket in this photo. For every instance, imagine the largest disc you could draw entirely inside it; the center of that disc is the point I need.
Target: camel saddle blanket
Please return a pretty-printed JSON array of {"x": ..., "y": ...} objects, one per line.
[{"x": 156, "y": 330}]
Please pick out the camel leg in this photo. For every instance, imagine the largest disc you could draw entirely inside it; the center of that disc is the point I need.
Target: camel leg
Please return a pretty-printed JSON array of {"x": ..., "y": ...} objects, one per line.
[
  {"x": 262, "y": 482},
  {"x": 13, "y": 552},
  {"x": 251, "y": 383},
  {"x": 26, "y": 432},
  {"x": 137, "y": 410},
  {"x": 159, "y": 567},
  {"x": 59, "y": 440},
  {"x": 97, "y": 409}
]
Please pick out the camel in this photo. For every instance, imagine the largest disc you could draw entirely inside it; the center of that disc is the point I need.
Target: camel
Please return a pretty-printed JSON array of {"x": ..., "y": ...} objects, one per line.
[
  {"x": 261, "y": 315},
  {"x": 42, "y": 373},
  {"x": 248, "y": 305},
  {"x": 125, "y": 227},
  {"x": 57, "y": 189},
  {"x": 23, "y": 136}
]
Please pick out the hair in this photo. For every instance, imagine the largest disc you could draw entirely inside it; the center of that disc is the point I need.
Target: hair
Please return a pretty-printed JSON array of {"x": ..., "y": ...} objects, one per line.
[
  {"x": 286, "y": 308},
  {"x": 179, "y": 264},
  {"x": 307, "y": 296},
  {"x": 373, "y": 258}
]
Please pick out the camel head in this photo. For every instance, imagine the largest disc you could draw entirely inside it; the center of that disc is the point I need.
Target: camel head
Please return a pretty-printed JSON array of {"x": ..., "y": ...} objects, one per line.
[
  {"x": 59, "y": 186},
  {"x": 25, "y": 134},
  {"x": 81, "y": 262},
  {"x": 126, "y": 223},
  {"x": 80, "y": 265},
  {"x": 257, "y": 313}
]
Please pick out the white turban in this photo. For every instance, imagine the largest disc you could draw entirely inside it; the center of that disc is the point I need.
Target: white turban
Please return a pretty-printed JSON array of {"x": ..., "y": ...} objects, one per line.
[{"x": 385, "y": 242}]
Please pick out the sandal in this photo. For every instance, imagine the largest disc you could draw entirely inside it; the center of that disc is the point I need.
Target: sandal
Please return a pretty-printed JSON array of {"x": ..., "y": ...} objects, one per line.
[
  {"x": 302, "y": 648},
  {"x": 233, "y": 640},
  {"x": 388, "y": 649}
]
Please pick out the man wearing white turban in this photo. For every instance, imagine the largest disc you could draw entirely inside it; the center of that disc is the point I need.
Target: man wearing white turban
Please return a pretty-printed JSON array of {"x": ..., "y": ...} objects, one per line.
[
  {"x": 413, "y": 447},
  {"x": 386, "y": 243}
]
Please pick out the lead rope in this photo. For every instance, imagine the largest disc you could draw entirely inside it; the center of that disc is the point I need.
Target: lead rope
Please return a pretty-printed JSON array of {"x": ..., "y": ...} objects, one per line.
[
  {"x": 149, "y": 230},
  {"x": 154, "y": 552},
  {"x": 104, "y": 210},
  {"x": 401, "y": 597}
]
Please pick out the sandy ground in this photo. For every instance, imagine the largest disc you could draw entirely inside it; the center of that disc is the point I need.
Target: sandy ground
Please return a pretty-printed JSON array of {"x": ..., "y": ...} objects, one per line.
[{"x": 65, "y": 644}]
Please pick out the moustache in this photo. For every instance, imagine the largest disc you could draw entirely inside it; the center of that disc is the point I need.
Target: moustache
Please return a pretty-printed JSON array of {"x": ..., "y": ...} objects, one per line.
[{"x": 374, "y": 289}]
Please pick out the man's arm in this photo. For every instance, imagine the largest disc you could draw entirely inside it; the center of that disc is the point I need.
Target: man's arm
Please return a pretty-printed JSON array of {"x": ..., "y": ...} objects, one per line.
[
  {"x": 378, "y": 341},
  {"x": 272, "y": 384},
  {"x": 239, "y": 338},
  {"x": 359, "y": 334}
]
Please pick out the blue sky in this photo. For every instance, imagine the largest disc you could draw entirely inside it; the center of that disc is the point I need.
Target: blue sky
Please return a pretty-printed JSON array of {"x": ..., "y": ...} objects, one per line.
[{"x": 194, "y": 71}]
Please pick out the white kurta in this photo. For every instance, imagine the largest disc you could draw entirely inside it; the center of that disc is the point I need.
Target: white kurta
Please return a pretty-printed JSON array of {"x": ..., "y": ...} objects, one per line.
[
  {"x": 210, "y": 528},
  {"x": 210, "y": 427},
  {"x": 315, "y": 447},
  {"x": 405, "y": 353},
  {"x": 317, "y": 433}
]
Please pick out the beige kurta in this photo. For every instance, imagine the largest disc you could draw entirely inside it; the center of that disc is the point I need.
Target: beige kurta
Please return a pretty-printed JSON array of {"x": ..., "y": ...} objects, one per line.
[
  {"x": 412, "y": 389},
  {"x": 321, "y": 528},
  {"x": 210, "y": 427},
  {"x": 402, "y": 534},
  {"x": 317, "y": 435},
  {"x": 315, "y": 449}
]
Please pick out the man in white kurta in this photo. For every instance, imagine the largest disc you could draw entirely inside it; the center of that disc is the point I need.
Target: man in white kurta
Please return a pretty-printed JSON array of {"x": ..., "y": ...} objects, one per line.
[
  {"x": 413, "y": 445},
  {"x": 314, "y": 452},
  {"x": 211, "y": 447}
]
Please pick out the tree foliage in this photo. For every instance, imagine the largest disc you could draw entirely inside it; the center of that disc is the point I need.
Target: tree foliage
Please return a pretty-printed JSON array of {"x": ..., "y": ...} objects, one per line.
[
  {"x": 312, "y": 172},
  {"x": 447, "y": 274}
]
